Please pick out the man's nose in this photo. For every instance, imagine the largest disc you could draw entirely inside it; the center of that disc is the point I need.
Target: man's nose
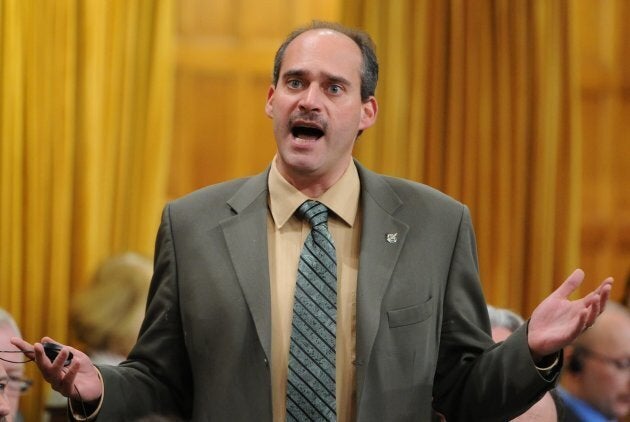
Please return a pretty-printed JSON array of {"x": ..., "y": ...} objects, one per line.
[
  {"x": 311, "y": 98},
  {"x": 4, "y": 406}
]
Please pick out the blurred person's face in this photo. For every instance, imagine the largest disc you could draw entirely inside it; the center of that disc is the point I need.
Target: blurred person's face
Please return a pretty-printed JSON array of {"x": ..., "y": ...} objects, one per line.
[
  {"x": 500, "y": 333},
  {"x": 604, "y": 381},
  {"x": 5, "y": 405},
  {"x": 12, "y": 371}
]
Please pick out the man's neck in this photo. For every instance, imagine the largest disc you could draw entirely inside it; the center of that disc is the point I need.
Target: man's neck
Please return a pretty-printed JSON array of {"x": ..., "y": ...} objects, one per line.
[{"x": 312, "y": 185}]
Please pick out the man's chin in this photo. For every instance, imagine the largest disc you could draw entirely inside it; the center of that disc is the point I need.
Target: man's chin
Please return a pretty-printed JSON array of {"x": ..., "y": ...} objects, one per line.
[{"x": 298, "y": 163}]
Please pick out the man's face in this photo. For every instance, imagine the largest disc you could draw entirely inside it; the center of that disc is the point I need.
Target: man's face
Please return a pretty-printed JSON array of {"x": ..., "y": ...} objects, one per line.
[
  {"x": 605, "y": 386},
  {"x": 5, "y": 405},
  {"x": 10, "y": 370},
  {"x": 316, "y": 107}
]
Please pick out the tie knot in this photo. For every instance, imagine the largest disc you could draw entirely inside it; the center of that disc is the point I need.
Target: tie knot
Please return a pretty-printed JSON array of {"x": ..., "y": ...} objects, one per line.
[{"x": 315, "y": 212}]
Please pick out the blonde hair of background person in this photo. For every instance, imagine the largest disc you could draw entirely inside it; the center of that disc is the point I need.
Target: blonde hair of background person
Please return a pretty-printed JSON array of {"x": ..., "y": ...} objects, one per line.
[{"x": 106, "y": 317}]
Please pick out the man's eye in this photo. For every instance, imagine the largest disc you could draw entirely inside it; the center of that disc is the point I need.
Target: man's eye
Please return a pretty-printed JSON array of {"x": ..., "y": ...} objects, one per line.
[
  {"x": 3, "y": 387},
  {"x": 294, "y": 83},
  {"x": 335, "y": 89}
]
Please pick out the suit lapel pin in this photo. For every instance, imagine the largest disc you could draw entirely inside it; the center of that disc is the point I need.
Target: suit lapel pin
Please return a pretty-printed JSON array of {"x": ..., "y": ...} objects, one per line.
[{"x": 392, "y": 237}]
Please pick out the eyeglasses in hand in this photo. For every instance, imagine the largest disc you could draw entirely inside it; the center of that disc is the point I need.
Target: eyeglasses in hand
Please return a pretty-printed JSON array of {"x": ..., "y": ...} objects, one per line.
[{"x": 14, "y": 361}]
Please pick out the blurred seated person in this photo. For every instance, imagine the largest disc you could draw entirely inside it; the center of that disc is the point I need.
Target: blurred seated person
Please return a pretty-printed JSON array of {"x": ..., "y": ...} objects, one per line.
[
  {"x": 12, "y": 381},
  {"x": 5, "y": 405},
  {"x": 504, "y": 322},
  {"x": 595, "y": 382},
  {"x": 106, "y": 316}
]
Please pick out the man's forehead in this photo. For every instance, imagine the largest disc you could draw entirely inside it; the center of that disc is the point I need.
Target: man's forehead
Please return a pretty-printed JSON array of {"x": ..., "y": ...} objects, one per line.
[
  {"x": 3, "y": 372},
  {"x": 325, "y": 51},
  {"x": 13, "y": 368},
  {"x": 6, "y": 332},
  {"x": 316, "y": 36}
]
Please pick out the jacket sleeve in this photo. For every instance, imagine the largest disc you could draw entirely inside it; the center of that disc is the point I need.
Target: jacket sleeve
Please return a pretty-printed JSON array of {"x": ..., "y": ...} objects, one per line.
[
  {"x": 156, "y": 377},
  {"x": 476, "y": 379}
]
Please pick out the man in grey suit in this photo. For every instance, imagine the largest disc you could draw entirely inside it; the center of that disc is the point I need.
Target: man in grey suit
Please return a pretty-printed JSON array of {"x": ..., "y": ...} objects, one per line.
[{"x": 412, "y": 329}]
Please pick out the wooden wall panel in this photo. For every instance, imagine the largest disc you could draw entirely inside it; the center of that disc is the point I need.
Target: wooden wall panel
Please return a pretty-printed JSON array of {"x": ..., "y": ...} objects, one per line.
[
  {"x": 225, "y": 53},
  {"x": 605, "y": 89},
  {"x": 200, "y": 148},
  {"x": 225, "y": 50}
]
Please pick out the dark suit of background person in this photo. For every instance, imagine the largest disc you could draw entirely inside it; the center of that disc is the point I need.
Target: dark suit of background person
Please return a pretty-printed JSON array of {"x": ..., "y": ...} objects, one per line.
[{"x": 422, "y": 329}]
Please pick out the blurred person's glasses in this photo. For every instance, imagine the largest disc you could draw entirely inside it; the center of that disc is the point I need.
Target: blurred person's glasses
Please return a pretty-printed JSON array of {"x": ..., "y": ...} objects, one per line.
[
  {"x": 18, "y": 385},
  {"x": 620, "y": 364}
]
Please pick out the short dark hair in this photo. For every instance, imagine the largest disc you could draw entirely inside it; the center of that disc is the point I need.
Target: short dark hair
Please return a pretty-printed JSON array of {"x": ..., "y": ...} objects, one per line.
[{"x": 369, "y": 72}]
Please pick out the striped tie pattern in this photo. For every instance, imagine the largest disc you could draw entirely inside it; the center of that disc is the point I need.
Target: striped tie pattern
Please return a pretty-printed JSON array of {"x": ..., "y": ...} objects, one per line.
[{"x": 311, "y": 377}]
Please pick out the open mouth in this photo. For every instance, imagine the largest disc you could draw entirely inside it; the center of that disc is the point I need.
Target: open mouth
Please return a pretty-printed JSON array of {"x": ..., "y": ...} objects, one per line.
[
  {"x": 307, "y": 133},
  {"x": 307, "y": 130}
]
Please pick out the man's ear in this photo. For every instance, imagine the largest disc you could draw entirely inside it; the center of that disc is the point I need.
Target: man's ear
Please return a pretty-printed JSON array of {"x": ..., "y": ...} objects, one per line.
[
  {"x": 269, "y": 104},
  {"x": 369, "y": 110}
]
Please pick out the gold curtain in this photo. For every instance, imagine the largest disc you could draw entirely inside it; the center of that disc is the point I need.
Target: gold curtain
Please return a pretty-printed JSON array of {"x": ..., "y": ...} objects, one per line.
[
  {"x": 85, "y": 123},
  {"x": 479, "y": 99}
]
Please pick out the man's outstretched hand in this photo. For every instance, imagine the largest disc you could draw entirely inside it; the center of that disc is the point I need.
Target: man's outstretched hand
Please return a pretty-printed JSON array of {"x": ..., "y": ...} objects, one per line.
[
  {"x": 78, "y": 381},
  {"x": 557, "y": 321}
]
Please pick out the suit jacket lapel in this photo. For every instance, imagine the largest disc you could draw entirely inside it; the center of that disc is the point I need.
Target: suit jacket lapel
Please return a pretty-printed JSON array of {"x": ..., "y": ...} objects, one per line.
[
  {"x": 382, "y": 239},
  {"x": 246, "y": 238}
]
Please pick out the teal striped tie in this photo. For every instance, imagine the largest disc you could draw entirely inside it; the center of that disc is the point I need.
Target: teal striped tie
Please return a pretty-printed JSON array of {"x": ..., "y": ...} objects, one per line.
[{"x": 311, "y": 377}]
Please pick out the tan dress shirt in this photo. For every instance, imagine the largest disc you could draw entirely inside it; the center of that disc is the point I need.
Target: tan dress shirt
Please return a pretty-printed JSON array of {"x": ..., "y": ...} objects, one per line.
[{"x": 286, "y": 234}]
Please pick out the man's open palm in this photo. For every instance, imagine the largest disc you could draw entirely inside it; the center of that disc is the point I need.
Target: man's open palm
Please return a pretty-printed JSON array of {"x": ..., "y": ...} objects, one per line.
[{"x": 557, "y": 321}]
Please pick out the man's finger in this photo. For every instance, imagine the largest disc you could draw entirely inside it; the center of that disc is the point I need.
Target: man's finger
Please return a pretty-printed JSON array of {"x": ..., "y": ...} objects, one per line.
[
  {"x": 68, "y": 381},
  {"x": 570, "y": 284},
  {"x": 24, "y": 346},
  {"x": 604, "y": 290}
]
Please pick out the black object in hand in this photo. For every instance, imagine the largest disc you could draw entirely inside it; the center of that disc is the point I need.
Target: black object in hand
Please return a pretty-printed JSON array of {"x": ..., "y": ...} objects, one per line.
[{"x": 52, "y": 350}]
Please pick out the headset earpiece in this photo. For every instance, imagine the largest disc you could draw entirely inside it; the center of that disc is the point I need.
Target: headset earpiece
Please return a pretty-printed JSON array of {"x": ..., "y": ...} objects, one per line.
[{"x": 575, "y": 364}]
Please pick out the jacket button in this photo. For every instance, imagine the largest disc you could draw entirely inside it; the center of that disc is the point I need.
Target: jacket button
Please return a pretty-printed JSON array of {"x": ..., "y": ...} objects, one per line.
[{"x": 266, "y": 362}]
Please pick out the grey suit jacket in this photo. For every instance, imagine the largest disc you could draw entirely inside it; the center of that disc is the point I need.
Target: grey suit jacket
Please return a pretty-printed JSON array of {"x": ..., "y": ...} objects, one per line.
[{"x": 422, "y": 326}]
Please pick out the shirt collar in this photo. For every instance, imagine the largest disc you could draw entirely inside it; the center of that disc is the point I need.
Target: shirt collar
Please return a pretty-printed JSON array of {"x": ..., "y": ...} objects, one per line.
[
  {"x": 342, "y": 198},
  {"x": 582, "y": 408}
]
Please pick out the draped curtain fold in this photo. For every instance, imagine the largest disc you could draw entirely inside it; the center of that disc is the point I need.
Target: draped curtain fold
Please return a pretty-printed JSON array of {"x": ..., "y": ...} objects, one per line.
[
  {"x": 85, "y": 124},
  {"x": 480, "y": 100}
]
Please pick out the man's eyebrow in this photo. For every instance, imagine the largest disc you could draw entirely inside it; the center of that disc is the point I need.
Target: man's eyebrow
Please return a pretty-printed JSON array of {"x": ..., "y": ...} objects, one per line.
[
  {"x": 339, "y": 79},
  {"x": 293, "y": 73},
  {"x": 329, "y": 76}
]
